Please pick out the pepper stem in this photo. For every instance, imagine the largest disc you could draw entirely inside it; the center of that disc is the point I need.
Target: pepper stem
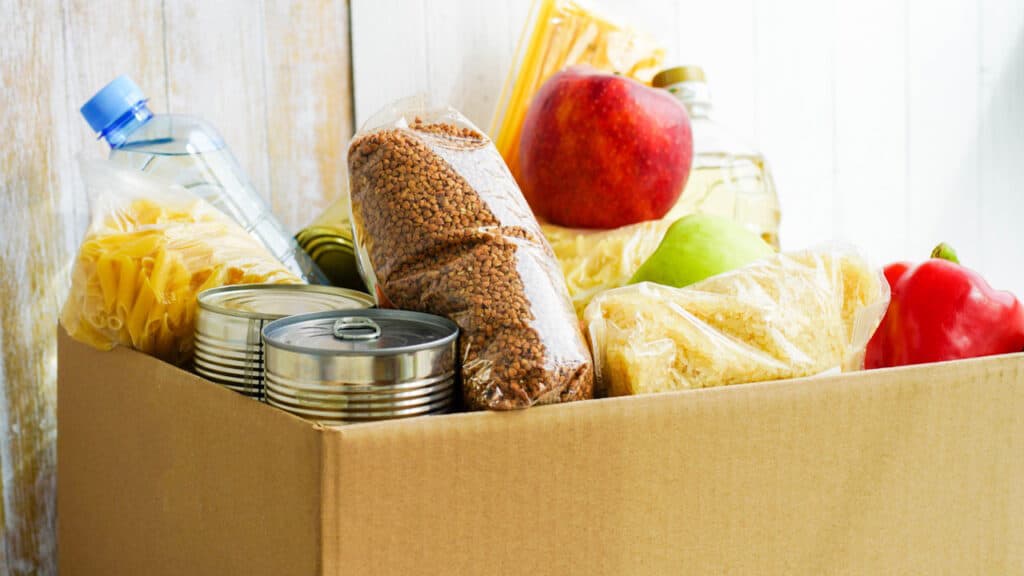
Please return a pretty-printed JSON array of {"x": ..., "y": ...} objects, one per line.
[{"x": 945, "y": 252}]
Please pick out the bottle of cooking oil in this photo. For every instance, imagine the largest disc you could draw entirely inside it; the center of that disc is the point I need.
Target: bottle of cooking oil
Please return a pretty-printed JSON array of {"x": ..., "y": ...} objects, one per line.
[
  {"x": 728, "y": 178},
  {"x": 190, "y": 152}
]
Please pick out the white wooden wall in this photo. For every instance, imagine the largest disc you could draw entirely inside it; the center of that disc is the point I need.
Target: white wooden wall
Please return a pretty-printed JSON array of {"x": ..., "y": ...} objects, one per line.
[
  {"x": 892, "y": 124},
  {"x": 272, "y": 75}
]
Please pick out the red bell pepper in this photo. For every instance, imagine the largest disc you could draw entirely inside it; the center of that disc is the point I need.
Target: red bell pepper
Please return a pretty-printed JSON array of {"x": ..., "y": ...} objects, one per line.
[{"x": 941, "y": 310}]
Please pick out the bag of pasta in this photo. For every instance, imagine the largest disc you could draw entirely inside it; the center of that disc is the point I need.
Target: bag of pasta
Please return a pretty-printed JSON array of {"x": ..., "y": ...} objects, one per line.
[
  {"x": 786, "y": 316},
  {"x": 151, "y": 248},
  {"x": 597, "y": 260}
]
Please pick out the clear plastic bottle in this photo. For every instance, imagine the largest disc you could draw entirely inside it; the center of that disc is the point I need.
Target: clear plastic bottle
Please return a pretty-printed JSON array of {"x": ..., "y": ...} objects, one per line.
[
  {"x": 728, "y": 177},
  {"x": 190, "y": 152}
]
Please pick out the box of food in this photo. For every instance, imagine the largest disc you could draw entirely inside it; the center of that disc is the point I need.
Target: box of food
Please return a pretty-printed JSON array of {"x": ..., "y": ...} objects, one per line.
[{"x": 898, "y": 471}]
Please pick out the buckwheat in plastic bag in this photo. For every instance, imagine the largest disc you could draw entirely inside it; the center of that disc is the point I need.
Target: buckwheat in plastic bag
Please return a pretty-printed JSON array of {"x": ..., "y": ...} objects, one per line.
[{"x": 441, "y": 227}]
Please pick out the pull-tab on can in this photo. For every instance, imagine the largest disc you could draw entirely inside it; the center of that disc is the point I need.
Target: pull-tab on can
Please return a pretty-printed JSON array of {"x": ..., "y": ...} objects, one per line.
[
  {"x": 361, "y": 365},
  {"x": 356, "y": 328},
  {"x": 230, "y": 320}
]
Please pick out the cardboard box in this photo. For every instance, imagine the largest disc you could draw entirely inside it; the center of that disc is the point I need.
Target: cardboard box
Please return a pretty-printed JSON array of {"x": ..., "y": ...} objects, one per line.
[{"x": 907, "y": 471}]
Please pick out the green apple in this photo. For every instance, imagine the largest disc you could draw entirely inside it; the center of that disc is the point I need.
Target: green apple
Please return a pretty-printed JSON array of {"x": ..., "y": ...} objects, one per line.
[{"x": 700, "y": 246}]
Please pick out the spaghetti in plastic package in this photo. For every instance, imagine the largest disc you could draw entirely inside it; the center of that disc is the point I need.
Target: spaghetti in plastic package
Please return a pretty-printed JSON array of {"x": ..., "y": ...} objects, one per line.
[
  {"x": 151, "y": 247},
  {"x": 786, "y": 316},
  {"x": 441, "y": 227},
  {"x": 561, "y": 33},
  {"x": 597, "y": 260}
]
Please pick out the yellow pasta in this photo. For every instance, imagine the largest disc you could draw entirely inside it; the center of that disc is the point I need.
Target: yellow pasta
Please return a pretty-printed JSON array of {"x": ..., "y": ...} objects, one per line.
[
  {"x": 125, "y": 285},
  {"x": 141, "y": 266},
  {"x": 597, "y": 260},
  {"x": 108, "y": 284},
  {"x": 137, "y": 316},
  {"x": 565, "y": 33},
  {"x": 159, "y": 277},
  {"x": 137, "y": 246}
]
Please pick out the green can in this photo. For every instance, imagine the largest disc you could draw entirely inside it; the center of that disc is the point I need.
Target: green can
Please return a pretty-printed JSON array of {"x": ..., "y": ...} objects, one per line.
[{"x": 334, "y": 252}]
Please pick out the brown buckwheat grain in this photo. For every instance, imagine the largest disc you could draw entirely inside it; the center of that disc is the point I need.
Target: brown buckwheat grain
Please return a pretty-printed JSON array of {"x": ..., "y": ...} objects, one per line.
[{"x": 447, "y": 231}]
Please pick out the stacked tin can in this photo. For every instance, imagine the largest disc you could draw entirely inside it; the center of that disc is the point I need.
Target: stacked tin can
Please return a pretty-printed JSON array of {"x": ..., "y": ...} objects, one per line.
[
  {"x": 359, "y": 366},
  {"x": 230, "y": 320}
]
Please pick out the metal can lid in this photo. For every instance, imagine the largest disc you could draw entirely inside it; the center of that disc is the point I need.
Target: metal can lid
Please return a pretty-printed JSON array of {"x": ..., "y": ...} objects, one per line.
[
  {"x": 345, "y": 258},
  {"x": 273, "y": 301},
  {"x": 323, "y": 232},
  {"x": 676, "y": 75},
  {"x": 361, "y": 333},
  {"x": 315, "y": 250}
]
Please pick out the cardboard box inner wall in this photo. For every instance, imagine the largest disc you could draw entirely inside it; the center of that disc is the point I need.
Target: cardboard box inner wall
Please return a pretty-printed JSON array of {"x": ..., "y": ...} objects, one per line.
[{"x": 914, "y": 470}]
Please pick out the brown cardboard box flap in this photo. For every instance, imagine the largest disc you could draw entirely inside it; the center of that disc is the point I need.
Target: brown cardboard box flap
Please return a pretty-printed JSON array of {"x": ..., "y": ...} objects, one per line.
[{"x": 907, "y": 471}]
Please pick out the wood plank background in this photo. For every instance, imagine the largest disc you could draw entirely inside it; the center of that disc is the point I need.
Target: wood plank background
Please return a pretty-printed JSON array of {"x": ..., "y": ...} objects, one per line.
[
  {"x": 892, "y": 124},
  {"x": 272, "y": 75}
]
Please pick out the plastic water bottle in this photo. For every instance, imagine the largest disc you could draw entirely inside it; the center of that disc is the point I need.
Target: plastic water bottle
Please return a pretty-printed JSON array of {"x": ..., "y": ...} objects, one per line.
[{"x": 190, "y": 152}]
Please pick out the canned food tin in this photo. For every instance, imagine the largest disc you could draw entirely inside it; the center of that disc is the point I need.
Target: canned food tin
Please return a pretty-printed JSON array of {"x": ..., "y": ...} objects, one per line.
[
  {"x": 333, "y": 251},
  {"x": 336, "y": 417},
  {"x": 354, "y": 366},
  {"x": 230, "y": 319},
  {"x": 341, "y": 406},
  {"x": 355, "y": 394},
  {"x": 342, "y": 234}
]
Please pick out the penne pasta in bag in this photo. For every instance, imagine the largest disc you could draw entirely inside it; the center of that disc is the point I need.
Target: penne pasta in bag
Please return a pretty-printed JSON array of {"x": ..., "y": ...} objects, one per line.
[{"x": 151, "y": 248}]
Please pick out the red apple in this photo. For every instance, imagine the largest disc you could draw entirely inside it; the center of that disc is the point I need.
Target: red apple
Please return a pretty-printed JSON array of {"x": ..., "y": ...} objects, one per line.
[{"x": 602, "y": 151}]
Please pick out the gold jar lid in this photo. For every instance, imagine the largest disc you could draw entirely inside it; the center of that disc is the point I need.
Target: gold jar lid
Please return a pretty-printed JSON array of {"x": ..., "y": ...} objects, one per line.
[{"x": 676, "y": 75}]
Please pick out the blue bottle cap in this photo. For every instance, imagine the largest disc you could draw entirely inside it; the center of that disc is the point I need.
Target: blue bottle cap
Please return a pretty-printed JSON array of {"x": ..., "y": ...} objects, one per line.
[{"x": 111, "y": 102}]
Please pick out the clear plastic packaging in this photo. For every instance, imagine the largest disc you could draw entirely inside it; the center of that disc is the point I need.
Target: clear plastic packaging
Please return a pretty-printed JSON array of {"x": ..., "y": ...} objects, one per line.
[
  {"x": 787, "y": 316},
  {"x": 151, "y": 248},
  {"x": 561, "y": 33},
  {"x": 441, "y": 227},
  {"x": 190, "y": 152},
  {"x": 597, "y": 260}
]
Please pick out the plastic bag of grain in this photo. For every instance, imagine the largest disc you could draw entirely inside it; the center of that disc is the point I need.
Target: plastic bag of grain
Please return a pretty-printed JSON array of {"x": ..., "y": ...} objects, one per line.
[
  {"x": 441, "y": 227},
  {"x": 787, "y": 316}
]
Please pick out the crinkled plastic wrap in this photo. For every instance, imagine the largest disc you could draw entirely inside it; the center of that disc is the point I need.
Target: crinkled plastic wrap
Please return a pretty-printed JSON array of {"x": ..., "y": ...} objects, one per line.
[
  {"x": 151, "y": 248},
  {"x": 441, "y": 227},
  {"x": 787, "y": 316},
  {"x": 597, "y": 260}
]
